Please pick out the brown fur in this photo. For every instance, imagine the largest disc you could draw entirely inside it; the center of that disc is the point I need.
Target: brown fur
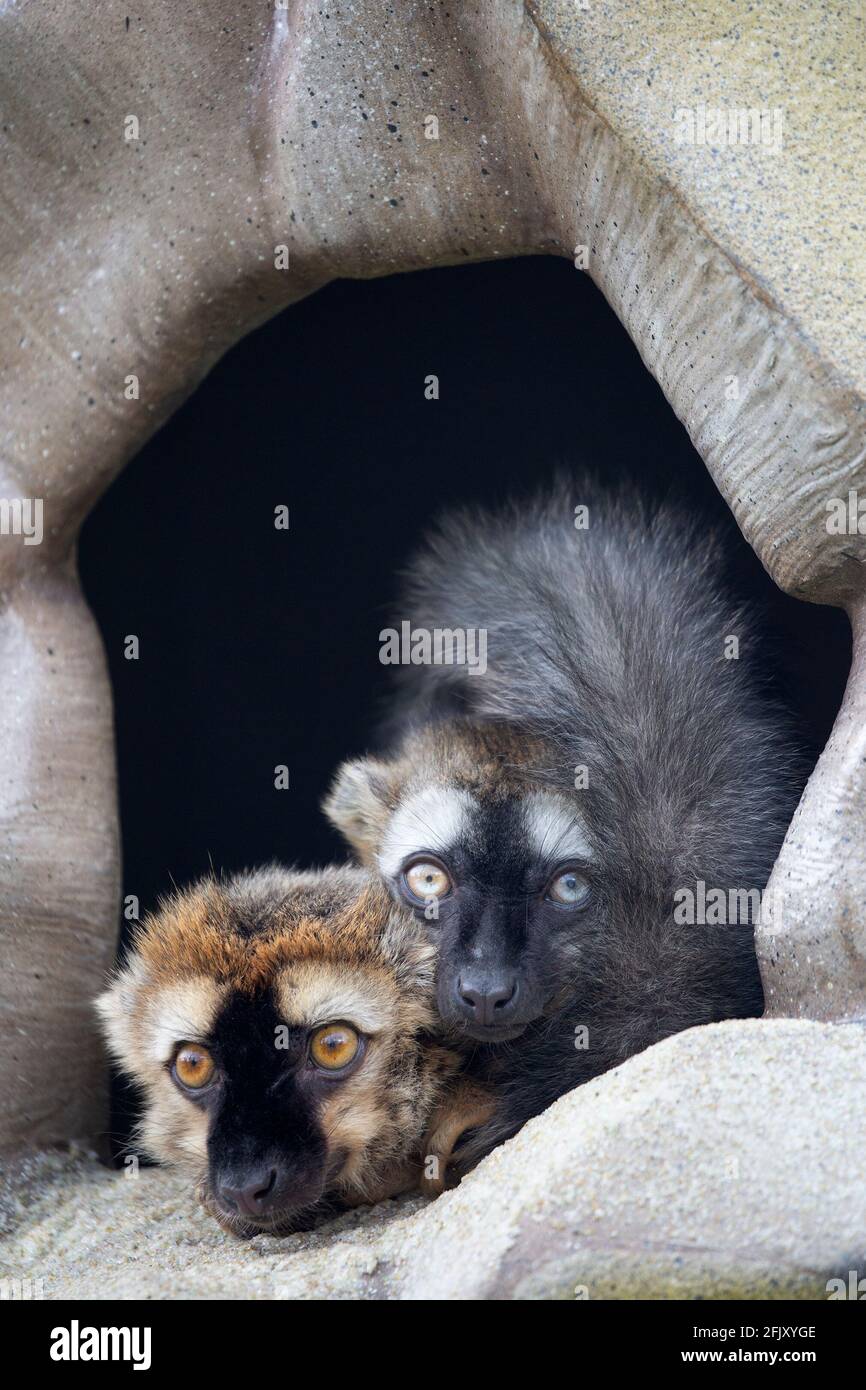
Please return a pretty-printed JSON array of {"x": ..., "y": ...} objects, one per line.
[
  {"x": 467, "y": 1106},
  {"x": 490, "y": 761},
  {"x": 318, "y": 947}
]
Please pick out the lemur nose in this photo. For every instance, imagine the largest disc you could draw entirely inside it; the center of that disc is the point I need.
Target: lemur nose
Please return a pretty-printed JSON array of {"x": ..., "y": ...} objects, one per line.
[
  {"x": 254, "y": 1193},
  {"x": 487, "y": 1000}
]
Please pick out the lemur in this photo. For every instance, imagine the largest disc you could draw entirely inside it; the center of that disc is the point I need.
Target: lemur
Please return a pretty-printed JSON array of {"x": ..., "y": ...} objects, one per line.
[
  {"x": 280, "y": 1027},
  {"x": 458, "y": 830},
  {"x": 558, "y": 810}
]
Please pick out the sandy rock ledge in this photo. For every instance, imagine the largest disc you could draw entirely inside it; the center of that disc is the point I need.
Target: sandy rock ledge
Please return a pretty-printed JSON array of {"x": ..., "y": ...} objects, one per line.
[{"x": 726, "y": 1162}]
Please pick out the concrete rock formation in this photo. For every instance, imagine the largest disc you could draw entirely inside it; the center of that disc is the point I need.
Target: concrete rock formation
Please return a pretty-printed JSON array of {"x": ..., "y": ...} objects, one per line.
[
  {"x": 677, "y": 1175},
  {"x": 159, "y": 169}
]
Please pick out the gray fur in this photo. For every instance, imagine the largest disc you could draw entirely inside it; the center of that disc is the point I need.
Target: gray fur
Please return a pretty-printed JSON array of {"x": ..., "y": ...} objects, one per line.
[{"x": 607, "y": 645}]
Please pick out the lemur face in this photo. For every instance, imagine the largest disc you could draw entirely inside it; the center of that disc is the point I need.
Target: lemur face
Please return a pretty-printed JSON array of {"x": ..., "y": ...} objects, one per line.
[
  {"x": 499, "y": 869},
  {"x": 274, "y": 1023}
]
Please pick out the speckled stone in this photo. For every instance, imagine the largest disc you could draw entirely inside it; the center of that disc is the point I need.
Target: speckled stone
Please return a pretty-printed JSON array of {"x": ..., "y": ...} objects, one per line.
[
  {"x": 726, "y": 1162},
  {"x": 792, "y": 216}
]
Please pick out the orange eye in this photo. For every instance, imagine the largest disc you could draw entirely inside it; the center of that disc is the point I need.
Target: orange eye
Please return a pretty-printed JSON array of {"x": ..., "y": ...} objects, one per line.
[
  {"x": 334, "y": 1046},
  {"x": 426, "y": 879},
  {"x": 193, "y": 1066}
]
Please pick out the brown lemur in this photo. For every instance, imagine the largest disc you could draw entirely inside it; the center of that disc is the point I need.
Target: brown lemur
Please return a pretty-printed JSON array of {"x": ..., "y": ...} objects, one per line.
[
  {"x": 280, "y": 1026},
  {"x": 551, "y": 818}
]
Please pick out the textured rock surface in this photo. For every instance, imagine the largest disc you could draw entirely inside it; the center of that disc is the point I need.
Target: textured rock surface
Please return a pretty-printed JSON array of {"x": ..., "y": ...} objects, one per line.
[
  {"x": 739, "y": 271},
  {"x": 781, "y": 219},
  {"x": 726, "y": 1162}
]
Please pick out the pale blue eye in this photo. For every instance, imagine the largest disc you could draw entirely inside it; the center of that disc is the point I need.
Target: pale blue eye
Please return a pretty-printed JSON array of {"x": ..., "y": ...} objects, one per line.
[{"x": 571, "y": 889}]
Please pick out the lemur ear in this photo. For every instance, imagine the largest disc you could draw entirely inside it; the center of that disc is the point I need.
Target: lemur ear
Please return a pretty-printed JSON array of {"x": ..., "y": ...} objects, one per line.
[{"x": 359, "y": 804}]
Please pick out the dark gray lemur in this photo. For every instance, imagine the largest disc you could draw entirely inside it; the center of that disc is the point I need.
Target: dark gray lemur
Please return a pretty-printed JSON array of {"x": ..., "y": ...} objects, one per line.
[{"x": 611, "y": 646}]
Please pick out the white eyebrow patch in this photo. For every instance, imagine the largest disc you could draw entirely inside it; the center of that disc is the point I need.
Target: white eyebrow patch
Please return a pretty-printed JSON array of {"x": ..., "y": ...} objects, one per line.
[
  {"x": 555, "y": 828},
  {"x": 433, "y": 819},
  {"x": 181, "y": 1012},
  {"x": 312, "y": 993}
]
